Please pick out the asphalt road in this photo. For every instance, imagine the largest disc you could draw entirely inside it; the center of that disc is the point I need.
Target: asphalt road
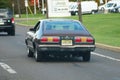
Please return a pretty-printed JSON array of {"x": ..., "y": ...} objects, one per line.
[{"x": 15, "y": 65}]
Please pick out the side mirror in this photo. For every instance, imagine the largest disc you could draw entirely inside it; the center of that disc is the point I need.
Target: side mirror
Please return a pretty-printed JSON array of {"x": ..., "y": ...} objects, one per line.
[{"x": 31, "y": 29}]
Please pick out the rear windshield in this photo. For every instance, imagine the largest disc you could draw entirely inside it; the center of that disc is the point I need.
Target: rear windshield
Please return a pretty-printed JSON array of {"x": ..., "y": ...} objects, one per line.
[
  {"x": 5, "y": 13},
  {"x": 63, "y": 25},
  {"x": 3, "y": 10}
]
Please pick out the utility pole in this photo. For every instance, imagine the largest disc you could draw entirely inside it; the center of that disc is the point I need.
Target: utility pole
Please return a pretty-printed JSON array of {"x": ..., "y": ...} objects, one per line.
[
  {"x": 79, "y": 11},
  {"x": 13, "y": 7},
  {"x": 47, "y": 9},
  {"x": 18, "y": 3},
  {"x": 43, "y": 8},
  {"x": 39, "y": 4},
  {"x": 34, "y": 6}
]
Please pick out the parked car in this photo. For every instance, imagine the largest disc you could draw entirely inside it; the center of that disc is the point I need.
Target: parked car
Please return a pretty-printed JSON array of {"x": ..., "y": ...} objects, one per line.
[
  {"x": 116, "y": 10},
  {"x": 109, "y": 5},
  {"x": 7, "y": 21},
  {"x": 87, "y": 7},
  {"x": 59, "y": 37}
]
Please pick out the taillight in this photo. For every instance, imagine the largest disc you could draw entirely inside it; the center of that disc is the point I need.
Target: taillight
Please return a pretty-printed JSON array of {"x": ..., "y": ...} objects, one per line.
[
  {"x": 56, "y": 39},
  {"x": 43, "y": 39},
  {"x": 77, "y": 39},
  {"x": 50, "y": 40},
  {"x": 12, "y": 20},
  {"x": 83, "y": 40},
  {"x": 89, "y": 40}
]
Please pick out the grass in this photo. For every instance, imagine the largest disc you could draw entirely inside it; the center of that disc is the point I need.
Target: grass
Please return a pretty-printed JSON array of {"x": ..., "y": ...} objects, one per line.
[{"x": 104, "y": 27}]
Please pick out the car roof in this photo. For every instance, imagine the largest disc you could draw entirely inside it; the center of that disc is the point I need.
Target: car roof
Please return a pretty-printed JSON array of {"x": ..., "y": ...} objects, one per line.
[
  {"x": 51, "y": 32},
  {"x": 59, "y": 19}
]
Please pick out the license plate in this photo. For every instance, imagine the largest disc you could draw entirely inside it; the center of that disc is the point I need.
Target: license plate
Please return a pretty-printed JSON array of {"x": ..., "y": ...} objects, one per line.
[
  {"x": 1, "y": 23},
  {"x": 66, "y": 42}
]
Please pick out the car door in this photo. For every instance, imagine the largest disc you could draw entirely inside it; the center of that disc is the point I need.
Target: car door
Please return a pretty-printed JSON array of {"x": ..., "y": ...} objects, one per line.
[{"x": 31, "y": 34}]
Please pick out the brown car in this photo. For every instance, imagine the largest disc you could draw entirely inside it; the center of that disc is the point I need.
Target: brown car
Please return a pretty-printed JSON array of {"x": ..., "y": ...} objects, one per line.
[{"x": 59, "y": 37}]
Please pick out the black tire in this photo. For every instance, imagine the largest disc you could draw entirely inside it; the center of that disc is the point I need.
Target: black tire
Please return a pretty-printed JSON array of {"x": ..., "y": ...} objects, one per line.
[
  {"x": 37, "y": 55},
  {"x": 92, "y": 12},
  {"x": 76, "y": 13},
  {"x": 118, "y": 10},
  {"x": 8, "y": 33},
  {"x": 30, "y": 53},
  {"x": 86, "y": 56},
  {"x": 11, "y": 32}
]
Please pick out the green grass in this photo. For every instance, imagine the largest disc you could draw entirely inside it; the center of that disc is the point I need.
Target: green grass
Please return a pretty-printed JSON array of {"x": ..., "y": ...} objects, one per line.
[
  {"x": 40, "y": 16},
  {"x": 104, "y": 27},
  {"x": 30, "y": 19}
]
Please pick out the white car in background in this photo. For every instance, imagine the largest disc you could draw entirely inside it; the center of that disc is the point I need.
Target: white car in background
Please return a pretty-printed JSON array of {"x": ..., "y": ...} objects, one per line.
[
  {"x": 116, "y": 10},
  {"x": 109, "y": 6},
  {"x": 90, "y": 7}
]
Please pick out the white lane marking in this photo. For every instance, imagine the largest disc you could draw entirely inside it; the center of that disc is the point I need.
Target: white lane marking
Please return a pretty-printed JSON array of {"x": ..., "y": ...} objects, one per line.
[
  {"x": 108, "y": 57},
  {"x": 7, "y": 68}
]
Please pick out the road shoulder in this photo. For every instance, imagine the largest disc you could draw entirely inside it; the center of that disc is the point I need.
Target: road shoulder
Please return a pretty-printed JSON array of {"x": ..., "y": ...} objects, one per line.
[{"x": 108, "y": 47}]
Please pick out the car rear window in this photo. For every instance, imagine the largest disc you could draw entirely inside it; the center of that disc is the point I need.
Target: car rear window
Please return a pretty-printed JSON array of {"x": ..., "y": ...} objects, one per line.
[
  {"x": 6, "y": 13},
  {"x": 3, "y": 10},
  {"x": 63, "y": 25}
]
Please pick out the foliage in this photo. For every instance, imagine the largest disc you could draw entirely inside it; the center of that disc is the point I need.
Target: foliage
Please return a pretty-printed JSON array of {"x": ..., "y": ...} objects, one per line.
[{"x": 5, "y": 3}]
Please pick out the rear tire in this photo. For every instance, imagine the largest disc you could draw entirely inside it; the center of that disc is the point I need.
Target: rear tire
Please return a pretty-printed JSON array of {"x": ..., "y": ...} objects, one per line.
[
  {"x": 93, "y": 12},
  {"x": 102, "y": 9},
  {"x": 37, "y": 55},
  {"x": 119, "y": 10},
  {"x": 30, "y": 53},
  {"x": 86, "y": 56},
  {"x": 11, "y": 32}
]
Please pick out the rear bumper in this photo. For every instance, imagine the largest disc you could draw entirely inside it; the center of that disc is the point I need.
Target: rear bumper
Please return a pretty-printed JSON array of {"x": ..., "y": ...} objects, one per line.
[
  {"x": 6, "y": 27},
  {"x": 66, "y": 48}
]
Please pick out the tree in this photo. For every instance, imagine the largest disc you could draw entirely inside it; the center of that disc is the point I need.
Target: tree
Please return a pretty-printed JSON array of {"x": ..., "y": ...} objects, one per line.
[{"x": 5, "y": 4}]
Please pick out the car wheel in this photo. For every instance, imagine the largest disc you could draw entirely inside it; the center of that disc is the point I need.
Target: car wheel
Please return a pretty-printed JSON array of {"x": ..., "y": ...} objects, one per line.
[
  {"x": 11, "y": 32},
  {"x": 76, "y": 13},
  {"x": 30, "y": 53},
  {"x": 37, "y": 55},
  {"x": 8, "y": 32},
  {"x": 119, "y": 10},
  {"x": 93, "y": 12},
  {"x": 102, "y": 9},
  {"x": 86, "y": 56}
]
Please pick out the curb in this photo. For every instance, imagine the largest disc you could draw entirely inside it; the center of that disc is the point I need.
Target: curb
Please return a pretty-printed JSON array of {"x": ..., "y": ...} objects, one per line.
[{"x": 108, "y": 47}]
